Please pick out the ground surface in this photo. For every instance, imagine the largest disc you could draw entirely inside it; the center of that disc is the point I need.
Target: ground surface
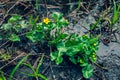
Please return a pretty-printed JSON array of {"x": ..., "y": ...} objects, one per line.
[{"x": 108, "y": 63}]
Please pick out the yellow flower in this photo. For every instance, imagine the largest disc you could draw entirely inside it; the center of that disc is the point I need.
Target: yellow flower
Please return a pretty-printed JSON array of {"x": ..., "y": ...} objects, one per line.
[
  {"x": 94, "y": 44},
  {"x": 46, "y": 20}
]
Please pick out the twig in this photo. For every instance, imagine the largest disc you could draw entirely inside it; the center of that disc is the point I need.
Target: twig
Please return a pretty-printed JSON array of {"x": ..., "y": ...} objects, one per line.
[
  {"x": 104, "y": 68},
  {"x": 46, "y": 8},
  {"x": 4, "y": 43},
  {"x": 99, "y": 76},
  {"x": 46, "y": 68},
  {"x": 9, "y": 11},
  {"x": 52, "y": 72},
  {"x": 4, "y": 2},
  {"x": 36, "y": 62}
]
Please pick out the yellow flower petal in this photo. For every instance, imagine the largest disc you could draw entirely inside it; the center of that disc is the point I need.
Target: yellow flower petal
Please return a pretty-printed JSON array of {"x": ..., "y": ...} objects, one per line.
[{"x": 46, "y": 20}]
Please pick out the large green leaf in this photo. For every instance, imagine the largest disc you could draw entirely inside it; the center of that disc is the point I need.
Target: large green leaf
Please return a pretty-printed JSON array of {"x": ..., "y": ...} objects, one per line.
[{"x": 73, "y": 50}]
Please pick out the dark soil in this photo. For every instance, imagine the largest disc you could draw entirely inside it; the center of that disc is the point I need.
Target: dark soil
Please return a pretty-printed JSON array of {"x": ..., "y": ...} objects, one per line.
[{"x": 108, "y": 64}]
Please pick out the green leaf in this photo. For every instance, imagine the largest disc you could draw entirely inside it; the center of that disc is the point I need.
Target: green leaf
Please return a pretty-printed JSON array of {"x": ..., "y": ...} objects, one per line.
[
  {"x": 14, "y": 37},
  {"x": 83, "y": 61},
  {"x": 35, "y": 35},
  {"x": 33, "y": 21},
  {"x": 115, "y": 15},
  {"x": 84, "y": 64},
  {"x": 14, "y": 18},
  {"x": 57, "y": 16},
  {"x": 37, "y": 5},
  {"x": 71, "y": 51},
  {"x": 87, "y": 52},
  {"x": 39, "y": 64},
  {"x": 61, "y": 47},
  {"x": 93, "y": 40},
  {"x": 7, "y": 26},
  {"x": 57, "y": 56},
  {"x": 23, "y": 24},
  {"x": 73, "y": 60},
  {"x": 87, "y": 71},
  {"x": 2, "y": 77},
  {"x": 59, "y": 60},
  {"x": 53, "y": 55},
  {"x": 5, "y": 56},
  {"x": 63, "y": 22},
  {"x": 16, "y": 28},
  {"x": 59, "y": 38},
  {"x": 17, "y": 66},
  {"x": 30, "y": 35}
]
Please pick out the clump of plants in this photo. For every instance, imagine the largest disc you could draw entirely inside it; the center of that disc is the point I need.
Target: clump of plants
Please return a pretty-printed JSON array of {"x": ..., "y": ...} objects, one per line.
[
  {"x": 81, "y": 50},
  {"x": 13, "y": 28}
]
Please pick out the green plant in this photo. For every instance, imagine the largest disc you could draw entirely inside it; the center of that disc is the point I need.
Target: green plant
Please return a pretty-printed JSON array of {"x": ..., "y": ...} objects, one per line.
[
  {"x": 36, "y": 73},
  {"x": 116, "y": 14},
  {"x": 2, "y": 77},
  {"x": 36, "y": 5},
  {"x": 79, "y": 4},
  {"x": 47, "y": 30},
  {"x": 113, "y": 20},
  {"x": 5, "y": 56},
  {"x": 17, "y": 66},
  {"x": 72, "y": 4},
  {"x": 80, "y": 50},
  {"x": 37, "y": 32},
  {"x": 13, "y": 27}
]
